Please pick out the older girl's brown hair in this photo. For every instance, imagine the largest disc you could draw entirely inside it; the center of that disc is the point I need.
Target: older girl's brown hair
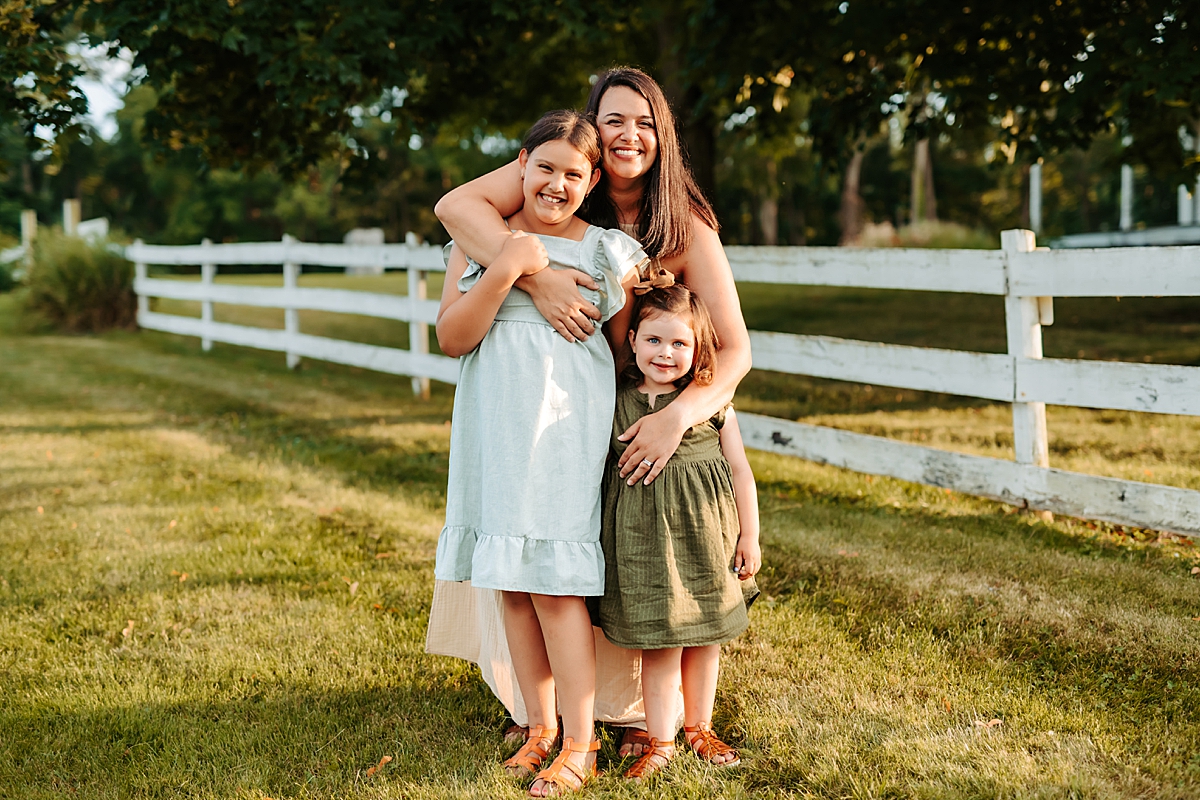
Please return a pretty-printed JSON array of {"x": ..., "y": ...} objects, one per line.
[
  {"x": 671, "y": 195},
  {"x": 673, "y": 300},
  {"x": 569, "y": 126}
]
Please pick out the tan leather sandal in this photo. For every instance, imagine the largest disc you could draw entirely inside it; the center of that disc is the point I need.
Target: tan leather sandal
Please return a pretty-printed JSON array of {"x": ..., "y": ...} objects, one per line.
[
  {"x": 631, "y": 741},
  {"x": 562, "y": 776},
  {"x": 516, "y": 734},
  {"x": 657, "y": 755},
  {"x": 530, "y": 757},
  {"x": 705, "y": 744}
]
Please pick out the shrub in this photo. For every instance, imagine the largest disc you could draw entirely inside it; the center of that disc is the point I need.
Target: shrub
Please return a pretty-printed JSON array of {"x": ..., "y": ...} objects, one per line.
[
  {"x": 934, "y": 234},
  {"x": 6, "y": 278},
  {"x": 79, "y": 286}
]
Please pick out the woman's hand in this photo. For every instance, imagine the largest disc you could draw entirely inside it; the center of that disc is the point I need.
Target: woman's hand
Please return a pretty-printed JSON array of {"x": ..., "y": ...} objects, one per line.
[
  {"x": 556, "y": 296},
  {"x": 653, "y": 439},
  {"x": 747, "y": 561}
]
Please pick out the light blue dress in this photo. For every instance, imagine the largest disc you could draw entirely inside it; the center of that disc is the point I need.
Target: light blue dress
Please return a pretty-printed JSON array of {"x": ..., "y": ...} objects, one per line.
[{"x": 532, "y": 418}]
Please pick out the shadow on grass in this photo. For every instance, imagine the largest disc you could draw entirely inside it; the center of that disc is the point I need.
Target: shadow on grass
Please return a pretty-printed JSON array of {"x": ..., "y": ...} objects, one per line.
[
  {"x": 1084, "y": 617},
  {"x": 258, "y": 738}
]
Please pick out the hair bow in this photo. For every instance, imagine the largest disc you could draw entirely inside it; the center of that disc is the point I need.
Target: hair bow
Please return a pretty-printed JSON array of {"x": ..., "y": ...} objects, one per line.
[{"x": 657, "y": 277}]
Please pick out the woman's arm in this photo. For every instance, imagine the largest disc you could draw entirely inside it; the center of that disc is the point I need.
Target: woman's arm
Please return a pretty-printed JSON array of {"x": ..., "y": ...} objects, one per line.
[
  {"x": 616, "y": 330},
  {"x": 474, "y": 214},
  {"x": 464, "y": 318},
  {"x": 748, "y": 558},
  {"x": 655, "y": 437}
]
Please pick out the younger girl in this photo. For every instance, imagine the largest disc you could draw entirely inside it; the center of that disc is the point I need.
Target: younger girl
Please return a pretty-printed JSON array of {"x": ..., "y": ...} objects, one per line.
[
  {"x": 532, "y": 414},
  {"x": 680, "y": 553}
]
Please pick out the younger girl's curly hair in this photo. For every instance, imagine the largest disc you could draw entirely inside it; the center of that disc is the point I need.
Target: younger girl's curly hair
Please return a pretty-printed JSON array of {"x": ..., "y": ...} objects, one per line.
[{"x": 659, "y": 294}]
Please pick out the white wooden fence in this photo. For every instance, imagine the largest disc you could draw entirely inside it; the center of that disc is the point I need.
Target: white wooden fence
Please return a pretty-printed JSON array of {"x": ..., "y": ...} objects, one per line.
[
  {"x": 1026, "y": 276},
  {"x": 415, "y": 309}
]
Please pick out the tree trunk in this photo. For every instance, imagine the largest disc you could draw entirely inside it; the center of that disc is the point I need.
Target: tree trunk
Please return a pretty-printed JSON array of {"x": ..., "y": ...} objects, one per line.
[
  {"x": 696, "y": 132},
  {"x": 768, "y": 208},
  {"x": 930, "y": 194},
  {"x": 916, "y": 205},
  {"x": 850, "y": 215}
]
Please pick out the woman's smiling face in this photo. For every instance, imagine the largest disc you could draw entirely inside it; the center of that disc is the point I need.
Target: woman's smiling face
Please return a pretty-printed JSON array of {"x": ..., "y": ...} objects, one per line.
[{"x": 628, "y": 138}]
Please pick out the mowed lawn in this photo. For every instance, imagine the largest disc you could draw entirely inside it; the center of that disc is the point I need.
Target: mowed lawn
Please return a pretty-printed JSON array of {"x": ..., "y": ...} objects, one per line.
[{"x": 215, "y": 575}]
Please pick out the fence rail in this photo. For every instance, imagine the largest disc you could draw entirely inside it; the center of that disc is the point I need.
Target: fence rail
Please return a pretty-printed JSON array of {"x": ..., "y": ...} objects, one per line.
[
  {"x": 1025, "y": 275},
  {"x": 292, "y": 255}
]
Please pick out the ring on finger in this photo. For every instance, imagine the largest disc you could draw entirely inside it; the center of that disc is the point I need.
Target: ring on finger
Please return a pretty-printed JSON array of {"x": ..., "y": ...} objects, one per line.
[{"x": 647, "y": 463}]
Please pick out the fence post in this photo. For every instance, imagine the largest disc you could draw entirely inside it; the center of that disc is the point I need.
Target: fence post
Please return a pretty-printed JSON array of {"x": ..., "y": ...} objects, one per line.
[
  {"x": 1023, "y": 319},
  {"x": 72, "y": 214},
  {"x": 291, "y": 317},
  {"x": 139, "y": 274},
  {"x": 418, "y": 332},
  {"x": 28, "y": 234},
  {"x": 1126, "y": 198},
  {"x": 208, "y": 272}
]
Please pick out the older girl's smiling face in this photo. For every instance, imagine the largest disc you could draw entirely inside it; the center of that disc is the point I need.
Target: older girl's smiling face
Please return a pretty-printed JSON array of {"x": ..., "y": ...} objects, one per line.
[
  {"x": 628, "y": 136},
  {"x": 555, "y": 178}
]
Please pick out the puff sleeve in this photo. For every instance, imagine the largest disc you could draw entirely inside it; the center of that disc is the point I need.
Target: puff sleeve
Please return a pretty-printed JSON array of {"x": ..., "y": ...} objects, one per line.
[{"x": 617, "y": 254}]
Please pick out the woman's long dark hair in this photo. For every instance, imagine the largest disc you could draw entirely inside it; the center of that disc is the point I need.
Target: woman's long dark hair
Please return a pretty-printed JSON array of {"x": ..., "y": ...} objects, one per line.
[{"x": 670, "y": 195}]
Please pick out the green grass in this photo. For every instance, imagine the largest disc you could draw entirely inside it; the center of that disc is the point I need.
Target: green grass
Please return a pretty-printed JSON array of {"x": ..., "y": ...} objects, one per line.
[{"x": 898, "y": 621}]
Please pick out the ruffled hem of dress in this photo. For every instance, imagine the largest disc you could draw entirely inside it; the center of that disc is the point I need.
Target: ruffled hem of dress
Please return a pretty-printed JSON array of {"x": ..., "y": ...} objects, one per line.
[{"x": 519, "y": 564}]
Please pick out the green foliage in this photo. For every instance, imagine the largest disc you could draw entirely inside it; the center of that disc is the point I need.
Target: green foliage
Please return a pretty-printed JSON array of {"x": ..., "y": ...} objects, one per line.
[
  {"x": 79, "y": 286},
  {"x": 36, "y": 79}
]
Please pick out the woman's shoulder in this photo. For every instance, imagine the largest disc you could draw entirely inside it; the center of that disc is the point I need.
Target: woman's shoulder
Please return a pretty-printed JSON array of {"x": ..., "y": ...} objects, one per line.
[{"x": 704, "y": 254}]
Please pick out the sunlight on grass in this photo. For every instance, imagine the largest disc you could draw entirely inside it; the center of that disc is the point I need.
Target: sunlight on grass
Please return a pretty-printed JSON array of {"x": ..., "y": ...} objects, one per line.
[{"x": 218, "y": 574}]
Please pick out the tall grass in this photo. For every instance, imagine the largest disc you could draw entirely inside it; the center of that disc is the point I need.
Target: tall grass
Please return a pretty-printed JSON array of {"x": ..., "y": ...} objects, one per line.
[{"x": 78, "y": 286}]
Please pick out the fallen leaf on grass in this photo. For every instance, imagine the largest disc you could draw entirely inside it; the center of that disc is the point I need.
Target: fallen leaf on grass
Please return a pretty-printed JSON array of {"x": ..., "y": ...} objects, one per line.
[
  {"x": 1195, "y": 570},
  {"x": 125, "y": 634},
  {"x": 171, "y": 524},
  {"x": 946, "y": 705},
  {"x": 352, "y": 584},
  {"x": 389, "y": 555},
  {"x": 41, "y": 510},
  {"x": 992, "y": 723},
  {"x": 183, "y": 576},
  {"x": 382, "y": 762},
  {"x": 49, "y": 456}
]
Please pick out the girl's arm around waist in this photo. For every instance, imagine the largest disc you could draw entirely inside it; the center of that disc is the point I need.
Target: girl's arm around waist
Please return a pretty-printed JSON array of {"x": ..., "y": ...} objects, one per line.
[
  {"x": 748, "y": 558},
  {"x": 464, "y": 318}
]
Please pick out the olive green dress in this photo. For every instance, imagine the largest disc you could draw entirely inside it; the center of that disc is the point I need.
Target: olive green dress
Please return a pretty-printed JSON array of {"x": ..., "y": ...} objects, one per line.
[{"x": 669, "y": 547}]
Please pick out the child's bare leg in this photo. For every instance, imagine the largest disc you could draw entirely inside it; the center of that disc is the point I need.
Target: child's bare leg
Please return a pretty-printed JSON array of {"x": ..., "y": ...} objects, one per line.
[
  {"x": 530, "y": 663},
  {"x": 570, "y": 647},
  {"x": 660, "y": 687},
  {"x": 699, "y": 667}
]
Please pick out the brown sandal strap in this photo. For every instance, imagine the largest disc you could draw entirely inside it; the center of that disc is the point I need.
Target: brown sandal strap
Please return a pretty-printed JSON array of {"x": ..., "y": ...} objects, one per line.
[
  {"x": 657, "y": 755},
  {"x": 553, "y": 774},
  {"x": 704, "y": 743},
  {"x": 535, "y": 751}
]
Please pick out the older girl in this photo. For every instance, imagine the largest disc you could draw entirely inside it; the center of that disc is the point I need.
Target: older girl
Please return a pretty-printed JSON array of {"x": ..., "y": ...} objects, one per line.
[{"x": 530, "y": 417}]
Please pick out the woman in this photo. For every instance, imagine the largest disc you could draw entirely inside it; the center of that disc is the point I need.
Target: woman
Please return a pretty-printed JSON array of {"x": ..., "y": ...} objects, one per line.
[{"x": 647, "y": 191}]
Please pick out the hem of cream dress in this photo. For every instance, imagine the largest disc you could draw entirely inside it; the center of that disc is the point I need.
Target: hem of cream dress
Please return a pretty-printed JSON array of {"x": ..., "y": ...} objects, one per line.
[{"x": 468, "y": 623}]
